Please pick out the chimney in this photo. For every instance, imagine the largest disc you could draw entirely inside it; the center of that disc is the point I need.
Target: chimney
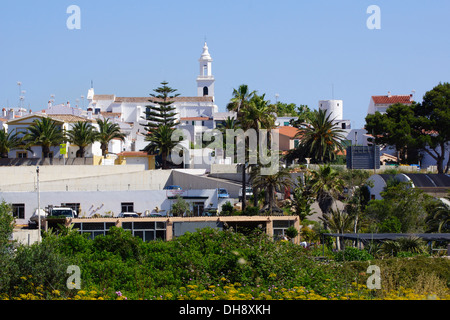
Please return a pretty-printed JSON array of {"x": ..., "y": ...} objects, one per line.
[
  {"x": 11, "y": 114},
  {"x": 68, "y": 104},
  {"x": 389, "y": 94},
  {"x": 89, "y": 113},
  {"x": 4, "y": 113}
]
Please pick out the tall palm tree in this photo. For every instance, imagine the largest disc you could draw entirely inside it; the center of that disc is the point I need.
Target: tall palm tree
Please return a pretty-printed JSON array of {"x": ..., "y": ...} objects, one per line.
[
  {"x": 326, "y": 185},
  {"x": 9, "y": 141},
  {"x": 320, "y": 138},
  {"x": 107, "y": 132},
  {"x": 241, "y": 99},
  {"x": 271, "y": 183},
  {"x": 258, "y": 114},
  {"x": 44, "y": 132},
  {"x": 160, "y": 142},
  {"x": 82, "y": 134}
]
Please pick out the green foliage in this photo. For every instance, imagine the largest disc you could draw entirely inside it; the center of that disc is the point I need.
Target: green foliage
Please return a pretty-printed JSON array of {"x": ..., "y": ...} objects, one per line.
[
  {"x": 6, "y": 224},
  {"x": 227, "y": 209},
  {"x": 44, "y": 132},
  {"x": 390, "y": 225},
  {"x": 291, "y": 232},
  {"x": 43, "y": 262},
  {"x": 9, "y": 141},
  {"x": 420, "y": 126},
  {"x": 250, "y": 211},
  {"x": 320, "y": 138},
  {"x": 82, "y": 135},
  {"x": 352, "y": 254},
  {"x": 401, "y": 203},
  {"x": 180, "y": 207},
  {"x": 120, "y": 242}
]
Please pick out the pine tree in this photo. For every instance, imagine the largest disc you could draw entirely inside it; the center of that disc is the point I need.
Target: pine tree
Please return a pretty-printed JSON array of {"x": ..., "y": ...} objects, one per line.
[
  {"x": 162, "y": 112},
  {"x": 161, "y": 123}
]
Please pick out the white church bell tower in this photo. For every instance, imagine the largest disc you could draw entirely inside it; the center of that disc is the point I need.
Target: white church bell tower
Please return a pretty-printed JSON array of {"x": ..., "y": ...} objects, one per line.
[{"x": 205, "y": 80}]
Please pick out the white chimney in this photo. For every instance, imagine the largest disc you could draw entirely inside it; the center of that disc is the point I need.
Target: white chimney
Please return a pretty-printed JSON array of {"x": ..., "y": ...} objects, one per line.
[
  {"x": 389, "y": 94},
  {"x": 11, "y": 114},
  {"x": 4, "y": 113},
  {"x": 89, "y": 113}
]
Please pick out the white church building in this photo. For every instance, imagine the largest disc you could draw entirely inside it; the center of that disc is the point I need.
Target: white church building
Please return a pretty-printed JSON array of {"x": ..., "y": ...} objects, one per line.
[{"x": 194, "y": 113}]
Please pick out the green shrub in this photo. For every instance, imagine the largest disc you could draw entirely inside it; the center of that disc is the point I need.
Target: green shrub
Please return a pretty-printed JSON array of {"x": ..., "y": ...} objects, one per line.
[{"x": 352, "y": 254}]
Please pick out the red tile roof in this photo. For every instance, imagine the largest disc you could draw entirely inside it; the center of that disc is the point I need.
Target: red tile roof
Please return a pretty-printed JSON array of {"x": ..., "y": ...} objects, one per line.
[
  {"x": 288, "y": 131},
  {"x": 404, "y": 99}
]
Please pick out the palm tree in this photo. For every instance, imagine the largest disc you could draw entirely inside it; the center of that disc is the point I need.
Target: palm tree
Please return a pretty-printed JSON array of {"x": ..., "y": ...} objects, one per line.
[
  {"x": 82, "y": 135},
  {"x": 338, "y": 221},
  {"x": 241, "y": 99},
  {"x": 326, "y": 185},
  {"x": 9, "y": 141},
  {"x": 161, "y": 143},
  {"x": 107, "y": 132},
  {"x": 303, "y": 198},
  {"x": 320, "y": 138},
  {"x": 258, "y": 114},
  {"x": 271, "y": 183},
  {"x": 44, "y": 132},
  {"x": 440, "y": 221}
]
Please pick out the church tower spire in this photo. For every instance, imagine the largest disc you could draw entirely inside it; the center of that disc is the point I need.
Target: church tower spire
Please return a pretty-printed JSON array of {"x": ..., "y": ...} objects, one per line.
[{"x": 205, "y": 80}]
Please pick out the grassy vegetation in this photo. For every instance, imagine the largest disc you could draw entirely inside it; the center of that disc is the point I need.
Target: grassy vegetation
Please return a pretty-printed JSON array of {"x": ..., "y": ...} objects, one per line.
[{"x": 209, "y": 264}]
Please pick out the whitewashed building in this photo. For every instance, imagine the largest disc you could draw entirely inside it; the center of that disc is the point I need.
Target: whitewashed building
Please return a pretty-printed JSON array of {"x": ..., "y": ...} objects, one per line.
[
  {"x": 192, "y": 111},
  {"x": 66, "y": 122}
]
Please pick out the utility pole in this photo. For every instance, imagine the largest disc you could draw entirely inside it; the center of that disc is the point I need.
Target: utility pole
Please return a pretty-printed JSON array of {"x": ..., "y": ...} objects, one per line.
[
  {"x": 39, "y": 205},
  {"x": 243, "y": 187}
]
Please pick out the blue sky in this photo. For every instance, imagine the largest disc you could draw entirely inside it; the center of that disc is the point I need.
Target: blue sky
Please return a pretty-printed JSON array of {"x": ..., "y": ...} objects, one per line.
[{"x": 297, "y": 49}]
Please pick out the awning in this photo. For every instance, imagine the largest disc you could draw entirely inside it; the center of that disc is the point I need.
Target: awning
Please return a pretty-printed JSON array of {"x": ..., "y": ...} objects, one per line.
[{"x": 390, "y": 236}]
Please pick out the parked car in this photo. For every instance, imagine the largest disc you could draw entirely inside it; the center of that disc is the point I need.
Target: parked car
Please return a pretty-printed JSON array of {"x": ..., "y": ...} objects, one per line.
[
  {"x": 223, "y": 193},
  {"x": 128, "y": 215},
  {"x": 173, "y": 188},
  {"x": 248, "y": 193}
]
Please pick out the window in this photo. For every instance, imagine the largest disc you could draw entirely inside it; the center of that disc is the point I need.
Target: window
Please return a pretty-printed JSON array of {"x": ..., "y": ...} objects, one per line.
[
  {"x": 94, "y": 228},
  {"x": 127, "y": 207},
  {"x": 286, "y": 123},
  {"x": 147, "y": 231},
  {"x": 205, "y": 70},
  {"x": 18, "y": 211},
  {"x": 205, "y": 91},
  {"x": 279, "y": 228},
  {"x": 198, "y": 208},
  {"x": 73, "y": 206},
  {"x": 21, "y": 155}
]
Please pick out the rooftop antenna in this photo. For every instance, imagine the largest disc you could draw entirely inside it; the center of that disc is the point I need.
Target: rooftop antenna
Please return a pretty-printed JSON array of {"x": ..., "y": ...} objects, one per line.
[{"x": 92, "y": 84}]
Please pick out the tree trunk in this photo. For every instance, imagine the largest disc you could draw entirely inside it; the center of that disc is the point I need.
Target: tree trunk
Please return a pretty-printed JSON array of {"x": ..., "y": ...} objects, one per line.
[
  {"x": 45, "y": 151},
  {"x": 104, "y": 148}
]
